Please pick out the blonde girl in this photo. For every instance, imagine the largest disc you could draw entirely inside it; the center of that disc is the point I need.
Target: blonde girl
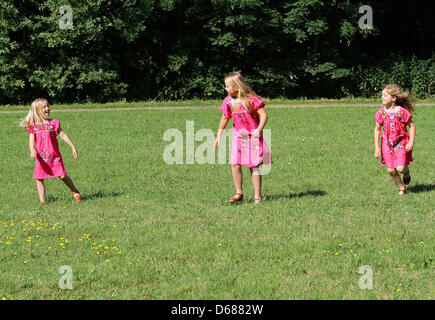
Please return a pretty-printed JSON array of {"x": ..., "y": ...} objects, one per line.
[
  {"x": 248, "y": 148},
  {"x": 44, "y": 148},
  {"x": 397, "y": 144}
]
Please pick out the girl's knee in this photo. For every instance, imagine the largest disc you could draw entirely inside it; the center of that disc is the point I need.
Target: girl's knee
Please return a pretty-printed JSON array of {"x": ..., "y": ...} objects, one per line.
[
  {"x": 401, "y": 169},
  {"x": 62, "y": 177},
  {"x": 255, "y": 171},
  {"x": 392, "y": 171}
]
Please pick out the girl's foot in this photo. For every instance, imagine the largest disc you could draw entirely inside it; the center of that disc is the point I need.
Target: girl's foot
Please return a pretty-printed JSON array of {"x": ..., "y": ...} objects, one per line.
[
  {"x": 402, "y": 191},
  {"x": 77, "y": 197},
  {"x": 238, "y": 197},
  {"x": 257, "y": 200}
]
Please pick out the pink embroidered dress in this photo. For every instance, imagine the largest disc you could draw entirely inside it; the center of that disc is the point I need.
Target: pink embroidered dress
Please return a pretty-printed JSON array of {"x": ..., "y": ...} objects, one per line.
[
  {"x": 246, "y": 150},
  {"x": 394, "y": 137},
  {"x": 48, "y": 161}
]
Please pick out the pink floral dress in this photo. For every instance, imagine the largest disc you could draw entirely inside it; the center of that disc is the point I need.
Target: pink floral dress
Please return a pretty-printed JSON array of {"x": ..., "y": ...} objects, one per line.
[
  {"x": 48, "y": 161},
  {"x": 246, "y": 150},
  {"x": 394, "y": 137}
]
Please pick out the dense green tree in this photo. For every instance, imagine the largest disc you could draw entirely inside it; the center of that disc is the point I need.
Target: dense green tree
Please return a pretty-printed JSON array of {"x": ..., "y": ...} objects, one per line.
[{"x": 179, "y": 49}]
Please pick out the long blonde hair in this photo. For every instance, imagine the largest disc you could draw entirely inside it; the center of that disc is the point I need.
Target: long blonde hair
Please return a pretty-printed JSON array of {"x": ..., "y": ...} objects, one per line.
[
  {"x": 403, "y": 98},
  {"x": 35, "y": 114},
  {"x": 237, "y": 81}
]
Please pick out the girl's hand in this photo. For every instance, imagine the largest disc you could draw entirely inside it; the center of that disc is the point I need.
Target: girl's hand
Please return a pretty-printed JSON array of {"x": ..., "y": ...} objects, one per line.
[
  {"x": 32, "y": 154},
  {"x": 216, "y": 142},
  {"x": 377, "y": 153},
  {"x": 408, "y": 147},
  {"x": 257, "y": 133},
  {"x": 75, "y": 154}
]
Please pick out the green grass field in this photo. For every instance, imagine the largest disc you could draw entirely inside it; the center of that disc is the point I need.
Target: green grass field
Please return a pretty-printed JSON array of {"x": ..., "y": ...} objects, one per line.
[{"x": 149, "y": 230}]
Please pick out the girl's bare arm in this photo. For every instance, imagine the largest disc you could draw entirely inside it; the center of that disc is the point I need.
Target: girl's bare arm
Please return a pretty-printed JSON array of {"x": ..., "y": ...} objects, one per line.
[
  {"x": 222, "y": 125},
  {"x": 68, "y": 141},
  {"x": 410, "y": 144},
  {"x": 263, "y": 119},
  {"x": 377, "y": 135},
  {"x": 32, "y": 145}
]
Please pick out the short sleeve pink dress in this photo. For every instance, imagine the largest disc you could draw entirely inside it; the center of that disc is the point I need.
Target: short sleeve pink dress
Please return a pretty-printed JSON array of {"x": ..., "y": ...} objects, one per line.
[
  {"x": 394, "y": 137},
  {"x": 246, "y": 150},
  {"x": 48, "y": 161}
]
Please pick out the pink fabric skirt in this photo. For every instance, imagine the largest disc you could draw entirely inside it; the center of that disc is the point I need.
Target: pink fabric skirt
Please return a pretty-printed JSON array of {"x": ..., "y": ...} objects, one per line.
[{"x": 249, "y": 151}]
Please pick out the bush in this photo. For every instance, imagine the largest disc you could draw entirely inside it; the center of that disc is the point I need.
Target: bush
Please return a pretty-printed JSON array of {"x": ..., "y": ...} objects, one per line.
[{"x": 412, "y": 73}]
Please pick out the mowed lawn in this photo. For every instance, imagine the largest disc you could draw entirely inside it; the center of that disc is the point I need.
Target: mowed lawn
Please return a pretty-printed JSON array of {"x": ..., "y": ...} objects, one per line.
[{"x": 150, "y": 230}]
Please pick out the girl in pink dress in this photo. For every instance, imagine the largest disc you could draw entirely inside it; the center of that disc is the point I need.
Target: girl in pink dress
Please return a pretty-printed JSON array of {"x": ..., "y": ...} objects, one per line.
[
  {"x": 248, "y": 148},
  {"x": 43, "y": 133},
  {"x": 397, "y": 143}
]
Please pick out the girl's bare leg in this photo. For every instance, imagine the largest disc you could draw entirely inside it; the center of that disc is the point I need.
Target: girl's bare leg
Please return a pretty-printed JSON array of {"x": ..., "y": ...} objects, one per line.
[
  {"x": 256, "y": 181},
  {"x": 396, "y": 178},
  {"x": 236, "y": 170},
  {"x": 67, "y": 180},
  {"x": 41, "y": 190}
]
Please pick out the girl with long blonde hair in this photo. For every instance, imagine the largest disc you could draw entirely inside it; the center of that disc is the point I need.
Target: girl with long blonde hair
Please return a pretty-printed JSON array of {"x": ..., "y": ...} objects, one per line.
[
  {"x": 248, "y": 148},
  {"x": 397, "y": 144},
  {"x": 43, "y": 132}
]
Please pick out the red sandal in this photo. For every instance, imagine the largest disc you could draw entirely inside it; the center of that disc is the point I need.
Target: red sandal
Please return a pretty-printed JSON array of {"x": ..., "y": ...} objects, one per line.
[{"x": 238, "y": 197}]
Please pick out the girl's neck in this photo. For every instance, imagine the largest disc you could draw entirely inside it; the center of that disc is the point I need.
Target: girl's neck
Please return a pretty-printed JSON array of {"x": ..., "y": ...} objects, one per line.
[{"x": 391, "y": 107}]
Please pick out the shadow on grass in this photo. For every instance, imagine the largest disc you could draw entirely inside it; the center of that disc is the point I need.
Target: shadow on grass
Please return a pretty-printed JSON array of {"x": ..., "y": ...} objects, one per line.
[
  {"x": 86, "y": 197},
  {"x": 421, "y": 188},
  {"x": 315, "y": 193}
]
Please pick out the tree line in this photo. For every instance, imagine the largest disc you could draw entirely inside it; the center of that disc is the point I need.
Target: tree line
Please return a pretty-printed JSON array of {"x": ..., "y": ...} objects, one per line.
[{"x": 109, "y": 50}]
